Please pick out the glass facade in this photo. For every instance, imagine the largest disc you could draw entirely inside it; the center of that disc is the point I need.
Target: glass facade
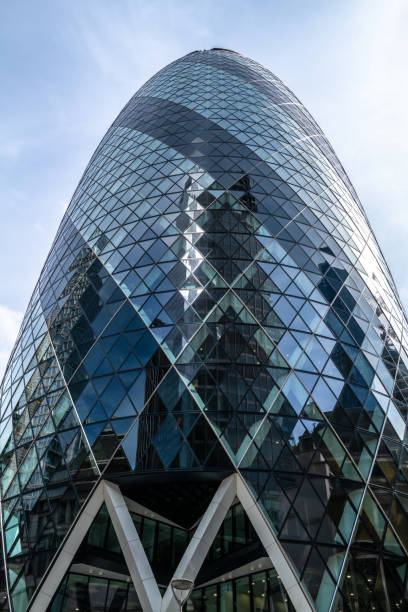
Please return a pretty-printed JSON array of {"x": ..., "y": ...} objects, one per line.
[{"x": 214, "y": 302}]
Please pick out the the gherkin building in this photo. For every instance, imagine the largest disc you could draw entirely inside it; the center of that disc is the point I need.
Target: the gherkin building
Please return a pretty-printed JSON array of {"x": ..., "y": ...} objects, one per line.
[{"x": 210, "y": 381}]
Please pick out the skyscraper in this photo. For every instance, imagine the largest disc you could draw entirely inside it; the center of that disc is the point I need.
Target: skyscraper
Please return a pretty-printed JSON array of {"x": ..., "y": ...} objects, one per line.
[{"x": 210, "y": 381}]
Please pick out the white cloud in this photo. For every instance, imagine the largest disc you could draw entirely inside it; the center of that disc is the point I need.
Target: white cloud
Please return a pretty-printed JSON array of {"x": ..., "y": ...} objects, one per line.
[{"x": 10, "y": 321}]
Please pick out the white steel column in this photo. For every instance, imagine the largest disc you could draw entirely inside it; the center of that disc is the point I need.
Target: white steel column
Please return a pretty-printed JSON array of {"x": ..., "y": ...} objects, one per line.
[
  {"x": 139, "y": 567},
  {"x": 132, "y": 548},
  {"x": 63, "y": 559},
  {"x": 290, "y": 581},
  {"x": 202, "y": 539}
]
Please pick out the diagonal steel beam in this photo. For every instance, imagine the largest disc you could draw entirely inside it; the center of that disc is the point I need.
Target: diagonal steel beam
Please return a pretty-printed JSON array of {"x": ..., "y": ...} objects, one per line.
[
  {"x": 139, "y": 567},
  {"x": 202, "y": 539},
  {"x": 273, "y": 547},
  {"x": 132, "y": 548},
  {"x": 62, "y": 560}
]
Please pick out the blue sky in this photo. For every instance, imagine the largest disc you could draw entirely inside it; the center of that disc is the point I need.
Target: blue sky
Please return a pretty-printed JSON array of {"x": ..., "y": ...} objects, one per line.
[{"x": 67, "y": 68}]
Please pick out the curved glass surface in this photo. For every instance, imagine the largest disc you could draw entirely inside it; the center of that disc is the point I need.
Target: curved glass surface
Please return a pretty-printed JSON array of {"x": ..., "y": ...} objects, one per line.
[{"x": 215, "y": 300}]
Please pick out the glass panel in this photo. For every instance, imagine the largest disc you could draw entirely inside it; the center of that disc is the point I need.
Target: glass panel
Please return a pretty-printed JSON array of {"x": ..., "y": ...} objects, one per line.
[
  {"x": 242, "y": 586},
  {"x": 210, "y": 598},
  {"x": 97, "y": 589},
  {"x": 260, "y": 592},
  {"x": 226, "y": 597},
  {"x": 148, "y": 538}
]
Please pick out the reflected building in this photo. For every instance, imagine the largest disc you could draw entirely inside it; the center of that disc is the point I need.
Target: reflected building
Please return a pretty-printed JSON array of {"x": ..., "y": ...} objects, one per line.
[{"x": 210, "y": 381}]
